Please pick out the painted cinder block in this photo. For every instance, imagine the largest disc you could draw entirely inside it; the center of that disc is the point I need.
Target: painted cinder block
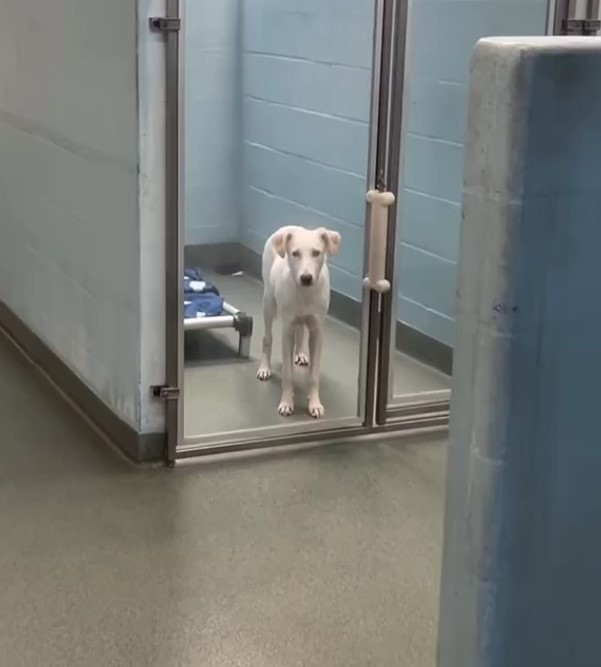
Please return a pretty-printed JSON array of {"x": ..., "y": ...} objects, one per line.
[{"x": 520, "y": 582}]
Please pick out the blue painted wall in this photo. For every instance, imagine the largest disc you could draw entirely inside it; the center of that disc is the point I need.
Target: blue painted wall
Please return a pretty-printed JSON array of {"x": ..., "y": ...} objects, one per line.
[
  {"x": 303, "y": 113},
  {"x": 212, "y": 107},
  {"x": 442, "y": 34}
]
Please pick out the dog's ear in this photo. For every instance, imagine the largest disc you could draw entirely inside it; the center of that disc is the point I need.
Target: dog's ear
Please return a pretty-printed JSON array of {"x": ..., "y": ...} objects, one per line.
[
  {"x": 331, "y": 241},
  {"x": 280, "y": 242}
]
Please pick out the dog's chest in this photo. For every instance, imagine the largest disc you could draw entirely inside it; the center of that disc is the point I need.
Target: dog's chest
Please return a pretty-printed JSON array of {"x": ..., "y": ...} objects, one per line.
[{"x": 303, "y": 304}]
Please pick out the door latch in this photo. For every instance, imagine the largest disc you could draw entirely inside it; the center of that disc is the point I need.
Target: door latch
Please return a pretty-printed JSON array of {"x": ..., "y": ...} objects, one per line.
[
  {"x": 582, "y": 27},
  {"x": 162, "y": 24},
  {"x": 380, "y": 202},
  {"x": 165, "y": 393}
]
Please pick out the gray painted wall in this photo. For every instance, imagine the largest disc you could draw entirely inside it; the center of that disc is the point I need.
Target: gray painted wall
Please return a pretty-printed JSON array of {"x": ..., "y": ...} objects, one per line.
[
  {"x": 151, "y": 197},
  {"x": 69, "y": 256}
]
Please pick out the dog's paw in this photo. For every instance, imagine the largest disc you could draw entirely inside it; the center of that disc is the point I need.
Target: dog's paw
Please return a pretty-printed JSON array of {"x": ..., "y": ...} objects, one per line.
[
  {"x": 316, "y": 409},
  {"x": 286, "y": 408},
  {"x": 301, "y": 359},
  {"x": 264, "y": 374}
]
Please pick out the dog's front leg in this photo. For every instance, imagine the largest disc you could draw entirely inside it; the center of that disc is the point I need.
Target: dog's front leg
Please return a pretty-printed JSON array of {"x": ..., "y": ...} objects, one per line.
[
  {"x": 269, "y": 308},
  {"x": 301, "y": 349},
  {"x": 315, "y": 344},
  {"x": 286, "y": 406}
]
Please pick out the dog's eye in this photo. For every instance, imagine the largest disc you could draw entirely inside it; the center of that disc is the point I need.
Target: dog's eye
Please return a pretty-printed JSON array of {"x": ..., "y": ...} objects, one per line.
[
  {"x": 316, "y": 253},
  {"x": 296, "y": 253}
]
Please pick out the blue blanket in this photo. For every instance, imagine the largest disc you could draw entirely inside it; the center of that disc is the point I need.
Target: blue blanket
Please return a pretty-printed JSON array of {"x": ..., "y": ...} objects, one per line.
[{"x": 201, "y": 297}]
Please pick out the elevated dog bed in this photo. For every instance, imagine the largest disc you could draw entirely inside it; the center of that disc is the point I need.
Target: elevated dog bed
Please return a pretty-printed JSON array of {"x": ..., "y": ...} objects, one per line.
[{"x": 205, "y": 308}]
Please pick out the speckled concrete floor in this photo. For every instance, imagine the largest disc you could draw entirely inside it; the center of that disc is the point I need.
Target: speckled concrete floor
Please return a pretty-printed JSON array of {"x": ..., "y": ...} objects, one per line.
[{"x": 326, "y": 558}]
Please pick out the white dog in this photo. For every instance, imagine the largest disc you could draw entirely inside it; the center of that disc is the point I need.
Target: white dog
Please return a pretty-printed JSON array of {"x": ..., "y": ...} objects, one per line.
[{"x": 296, "y": 284}]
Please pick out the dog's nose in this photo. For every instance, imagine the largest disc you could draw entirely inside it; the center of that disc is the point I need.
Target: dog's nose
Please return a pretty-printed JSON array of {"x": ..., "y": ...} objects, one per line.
[{"x": 306, "y": 279}]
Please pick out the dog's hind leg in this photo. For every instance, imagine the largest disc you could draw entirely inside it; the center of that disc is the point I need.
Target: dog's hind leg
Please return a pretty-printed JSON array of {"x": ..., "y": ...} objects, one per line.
[
  {"x": 269, "y": 312},
  {"x": 315, "y": 344},
  {"x": 286, "y": 406},
  {"x": 301, "y": 345}
]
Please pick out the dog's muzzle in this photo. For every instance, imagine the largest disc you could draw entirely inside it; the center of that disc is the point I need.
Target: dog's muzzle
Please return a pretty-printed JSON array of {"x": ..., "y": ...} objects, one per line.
[{"x": 306, "y": 279}]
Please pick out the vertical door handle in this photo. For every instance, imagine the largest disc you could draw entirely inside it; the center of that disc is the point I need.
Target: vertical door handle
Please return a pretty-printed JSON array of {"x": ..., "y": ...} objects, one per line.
[{"x": 379, "y": 202}]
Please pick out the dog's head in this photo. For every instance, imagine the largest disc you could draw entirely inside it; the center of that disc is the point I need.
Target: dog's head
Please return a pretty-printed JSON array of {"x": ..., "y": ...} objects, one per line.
[{"x": 306, "y": 251}]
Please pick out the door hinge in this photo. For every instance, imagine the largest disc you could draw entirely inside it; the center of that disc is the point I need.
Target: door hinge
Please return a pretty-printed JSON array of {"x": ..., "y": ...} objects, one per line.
[
  {"x": 162, "y": 24},
  {"x": 583, "y": 27},
  {"x": 165, "y": 393}
]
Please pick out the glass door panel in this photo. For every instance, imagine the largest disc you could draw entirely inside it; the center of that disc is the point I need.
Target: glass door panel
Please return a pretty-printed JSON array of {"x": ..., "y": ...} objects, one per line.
[
  {"x": 420, "y": 322},
  {"x": 278, "y": 105}
]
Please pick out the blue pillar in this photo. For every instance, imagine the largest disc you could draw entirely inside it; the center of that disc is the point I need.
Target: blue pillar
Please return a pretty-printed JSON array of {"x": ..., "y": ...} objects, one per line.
[{"x": 522, "y": 551}]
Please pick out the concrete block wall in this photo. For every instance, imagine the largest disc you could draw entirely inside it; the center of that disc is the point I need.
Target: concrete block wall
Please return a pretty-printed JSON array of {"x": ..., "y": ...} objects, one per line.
[
  {"x": 212, "y": 142},
  {"x": 520, "y": 580},
  {"x": 442, "y": 34},
  {"x": 305, "y": 111},
  {"x": 151, "y": 198},
  {"x": 69, "y": 255}
]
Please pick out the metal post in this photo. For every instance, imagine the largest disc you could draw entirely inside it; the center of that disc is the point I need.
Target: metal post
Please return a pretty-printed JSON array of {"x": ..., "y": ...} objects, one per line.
[{"x": 387, "y": 178}]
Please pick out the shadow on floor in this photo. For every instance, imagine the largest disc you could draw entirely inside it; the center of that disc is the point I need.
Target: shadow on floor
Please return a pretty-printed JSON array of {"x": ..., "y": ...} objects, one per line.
[{"x": 326, "y": 558}]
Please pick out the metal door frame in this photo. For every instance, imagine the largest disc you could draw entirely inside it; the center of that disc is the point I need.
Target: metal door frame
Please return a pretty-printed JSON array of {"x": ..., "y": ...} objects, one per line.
[
  {"x": 169, "y": 26},
  {"x": 377, "y": 414},
  {"x": 387, "y": 83},
  {"x": 385, "y": 414},
  {"x": 583, "y": 17},
  {"x": 436, "y": 402}
]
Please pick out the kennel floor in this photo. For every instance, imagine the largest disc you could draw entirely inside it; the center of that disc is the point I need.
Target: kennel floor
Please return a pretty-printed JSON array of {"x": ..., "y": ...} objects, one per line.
[
  {"x": 326, "y": 558},
  {"x": 222, "y": 393}
]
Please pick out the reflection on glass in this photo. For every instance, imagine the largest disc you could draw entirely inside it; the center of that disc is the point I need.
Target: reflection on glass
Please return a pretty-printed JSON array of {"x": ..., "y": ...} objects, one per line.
[{"x": 442, "y": 35}]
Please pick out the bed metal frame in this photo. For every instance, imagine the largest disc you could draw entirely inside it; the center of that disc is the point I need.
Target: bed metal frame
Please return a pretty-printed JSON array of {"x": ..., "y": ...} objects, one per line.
[{"x": 233, "y": 318}]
